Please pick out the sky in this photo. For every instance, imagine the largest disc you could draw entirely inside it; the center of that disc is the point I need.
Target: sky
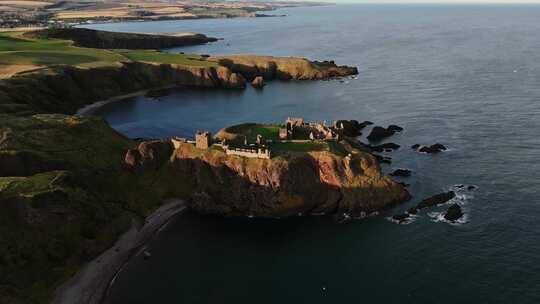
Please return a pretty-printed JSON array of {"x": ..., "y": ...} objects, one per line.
[{"x": 443, "y": 1}]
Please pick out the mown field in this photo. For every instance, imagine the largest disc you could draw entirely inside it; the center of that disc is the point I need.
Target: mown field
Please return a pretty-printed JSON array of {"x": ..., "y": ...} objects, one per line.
[{"x": 19, "y": 53}]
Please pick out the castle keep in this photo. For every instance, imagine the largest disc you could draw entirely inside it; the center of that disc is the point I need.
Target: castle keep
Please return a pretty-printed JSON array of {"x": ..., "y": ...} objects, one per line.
[{"x": 203, "y": 140}]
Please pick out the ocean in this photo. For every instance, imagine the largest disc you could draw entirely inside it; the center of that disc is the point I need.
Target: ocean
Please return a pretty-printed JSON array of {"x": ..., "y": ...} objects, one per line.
[{"x": 467, "y": 76}]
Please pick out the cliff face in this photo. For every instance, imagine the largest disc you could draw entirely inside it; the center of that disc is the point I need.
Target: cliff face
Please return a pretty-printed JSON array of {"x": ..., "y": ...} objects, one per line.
[
  {"x": 305, "y": 183},
  {"x": 283, "y": 68},
  {"x": 113, "y": 40},
  {"x": 66, "y": 89}
]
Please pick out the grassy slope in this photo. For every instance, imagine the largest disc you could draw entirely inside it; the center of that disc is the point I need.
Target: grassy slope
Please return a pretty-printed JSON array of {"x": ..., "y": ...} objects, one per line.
[
  {"x": 53, "y": 221},
  {"x": 18, "y": 50},
  {"x": 156, "y": 56}
]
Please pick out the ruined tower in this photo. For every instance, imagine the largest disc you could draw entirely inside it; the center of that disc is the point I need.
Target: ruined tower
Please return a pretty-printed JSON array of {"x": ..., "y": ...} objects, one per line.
[{"x": 203, "y": 140}]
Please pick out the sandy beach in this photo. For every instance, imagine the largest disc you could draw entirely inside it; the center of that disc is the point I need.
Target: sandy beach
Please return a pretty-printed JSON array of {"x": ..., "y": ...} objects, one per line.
[
  {"x": 90, "y": 284},
  {"x": 91, "y": 108}
]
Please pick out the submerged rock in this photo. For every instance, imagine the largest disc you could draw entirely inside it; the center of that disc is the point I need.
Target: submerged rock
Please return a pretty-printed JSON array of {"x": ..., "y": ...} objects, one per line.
[
  {"x": 401, "y": 172},
  {"x": 453, "y": 213},
  {"x": 472, "y": 187},
  {"x": 437, "y": 199},
  {"x": 365, "y": 123},
  {"x": 401, "y": 217},
  {"x": 385, "y": 147},
  {"x": 415, "y": 146},
  {"x": 383, "y": 159},
  {"x": 395, "y": 128},
  {"x": 436, "y": 148},
  {"x": 412, "y": 210}
]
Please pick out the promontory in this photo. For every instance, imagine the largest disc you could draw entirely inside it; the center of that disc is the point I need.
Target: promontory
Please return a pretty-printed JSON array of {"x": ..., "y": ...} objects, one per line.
[{"x": 71, "y": 185}]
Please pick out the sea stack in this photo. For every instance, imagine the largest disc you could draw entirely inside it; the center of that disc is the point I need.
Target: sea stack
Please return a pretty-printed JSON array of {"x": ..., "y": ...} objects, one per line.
[{"x": 258, "y": 82}]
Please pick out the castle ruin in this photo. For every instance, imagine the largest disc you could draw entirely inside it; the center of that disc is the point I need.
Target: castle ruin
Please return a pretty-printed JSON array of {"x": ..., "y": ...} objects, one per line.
[{"x": 203, "y": 140}]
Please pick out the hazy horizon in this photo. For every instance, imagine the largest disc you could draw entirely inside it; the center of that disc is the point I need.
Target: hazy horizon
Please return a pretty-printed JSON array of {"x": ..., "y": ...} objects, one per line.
[{"x": 437, "y": 1}]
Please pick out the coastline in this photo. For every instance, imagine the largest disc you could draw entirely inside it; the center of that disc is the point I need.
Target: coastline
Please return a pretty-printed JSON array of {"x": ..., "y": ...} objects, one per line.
[
  {"x": 91, "y": 284},
  {"x": 89, "y": 109}
]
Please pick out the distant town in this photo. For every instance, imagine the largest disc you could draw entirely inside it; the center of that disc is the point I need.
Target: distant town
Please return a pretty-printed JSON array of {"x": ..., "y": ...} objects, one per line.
[{"x": 29, "y": 13}]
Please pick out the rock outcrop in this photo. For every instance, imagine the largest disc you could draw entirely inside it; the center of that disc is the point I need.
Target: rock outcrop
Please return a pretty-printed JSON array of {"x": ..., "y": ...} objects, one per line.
[
  {"x": 437, "y": 199},
  {"x": 401, "y": 172},
  {"x": 283, "y": 68},
  {"x": 435, "y": 148},
  {"x": 386, "y": 147},
  {"x": 258, "y": 82},
  {"x": 306, "y": 183},
  {"x": 114, "y": 40},
  {"x": 148, "y": 155},
  {"x": 453, "y": 213},
  {"x": 350, "y": 128},
  {"x": 378, "y": 133}
]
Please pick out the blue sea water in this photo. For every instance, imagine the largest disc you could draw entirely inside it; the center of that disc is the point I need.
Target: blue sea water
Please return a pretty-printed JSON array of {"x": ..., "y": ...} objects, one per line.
[{"x": 466, "y": 76}]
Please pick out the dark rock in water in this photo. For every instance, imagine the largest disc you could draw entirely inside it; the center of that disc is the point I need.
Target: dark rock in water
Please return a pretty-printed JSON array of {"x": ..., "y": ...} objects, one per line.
[
  {"x": 415, "y": 146},
  {"x": 147, "y": 255},
  {"x": 400, "y": 217},
  {"x": 378, "y": 133},
  {"x": 436, "y": 148},
  {"x": 383, "y": 159},
  {"x": 453, "y": 213},
  {"x": 404, "y": 184},
  {"x": 385, "y": 147},
  {"x": 460, "y": 186},
  {"x": 349, "y": 128},
  {"x": 472, "y": 187},
  {"x": 395, "y": 128},
  {"x": 401, "y": 172},
  {"x": 365, "y": 124},
  {"x": 376, "y": 149},
  {"x": 436, "y": 200},
  {"x": 412, "y": 210}
]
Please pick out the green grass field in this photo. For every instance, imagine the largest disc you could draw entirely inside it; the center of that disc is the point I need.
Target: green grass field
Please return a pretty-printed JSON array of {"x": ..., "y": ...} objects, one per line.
[
  {"x": 18, "y": 50},
  {"x": 251, "y": 130},
  {"x": 14, "y": 49},
  {"x": 279, "y": 148},
  {"x": 156, "y": 56}
]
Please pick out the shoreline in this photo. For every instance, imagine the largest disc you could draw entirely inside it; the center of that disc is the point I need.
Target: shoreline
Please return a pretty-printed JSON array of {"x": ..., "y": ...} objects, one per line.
[
  {"x": 89, "y": 109},
  {"x": 90, "y": 285}
]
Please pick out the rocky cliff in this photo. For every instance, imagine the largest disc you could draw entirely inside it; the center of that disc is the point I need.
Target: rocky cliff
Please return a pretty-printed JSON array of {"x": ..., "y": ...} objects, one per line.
[
  {"x": 66, "y": 89},
  {"x": 283, "y": 68},
  {"x": 113, "y": 40},
  {"x": 318, "y": 182}
]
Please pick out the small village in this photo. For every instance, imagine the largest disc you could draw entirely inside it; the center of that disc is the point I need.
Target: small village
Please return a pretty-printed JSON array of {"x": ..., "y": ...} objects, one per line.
[{"x": 294, "y": 130}]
